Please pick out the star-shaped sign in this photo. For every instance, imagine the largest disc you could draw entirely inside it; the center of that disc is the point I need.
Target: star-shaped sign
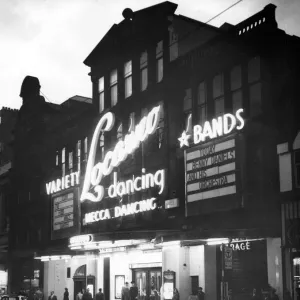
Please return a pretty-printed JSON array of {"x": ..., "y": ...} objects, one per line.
[{"x": 184, "y": 139}]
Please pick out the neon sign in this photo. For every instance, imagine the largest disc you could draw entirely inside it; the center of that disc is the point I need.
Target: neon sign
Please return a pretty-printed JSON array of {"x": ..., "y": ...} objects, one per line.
[
  {"x": 62, "y": 183},
  {"x": 112, "y": 159},
  {"x": 217, "y": 127},
  {"x": 119, "y": 211},
  {"x": 81, "y": 239}
]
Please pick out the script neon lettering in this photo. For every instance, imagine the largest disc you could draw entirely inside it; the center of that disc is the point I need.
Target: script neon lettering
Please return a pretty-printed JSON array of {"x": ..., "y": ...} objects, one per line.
[{"x": 95, "y": 173}]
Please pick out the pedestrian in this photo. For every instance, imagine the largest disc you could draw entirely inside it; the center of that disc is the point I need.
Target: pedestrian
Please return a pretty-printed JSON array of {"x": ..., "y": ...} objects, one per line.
[
  {"x": 66, "y": 294},
  {"x": 87, "y": 295},
  {"x": 125, "y": 292},
  {"x": 52, "y": 296},
  {"x": 79, "y": 295},
  {"x": 273, "y": 295},
  {"x": 175, "y": 295},
  {"x": 256, "y": 295},
  {"x": 200, "y": 294},
  {"x": 100, "y": 295},
  {"x": 134, "y": 291}
]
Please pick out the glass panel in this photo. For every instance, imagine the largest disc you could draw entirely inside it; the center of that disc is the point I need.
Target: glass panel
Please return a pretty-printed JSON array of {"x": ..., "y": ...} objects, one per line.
[
  {"x": 254, "y": 69},
  {"x": 201, "y": 93},
  {"x": 114, "y": 95},
  {"x": 160, "y": 69},
  {"x": 144, "y": 79},
  {"x": 101, "y": 84},
  {"x": 140, "y": 279},
  {"x": 144, "y": 59},
  {"x": 174, "y": 51},
  {"x": 71, "y": 160},
  {"x": 113, "y": 77},
  {"x": 255, "y": 99},
  {"x": 218, "y": 88},
  {"x": 128, "y": 86},
  {"x": 187, "y": 101},
  {"x": 237, "y": 101},
  {"x": 236, "y": 78},
  {"x": 159, "y": 49},
  {"x": 219, "y": 107},
  {"x": 101, "y": 102},
  {"x": 128, "y": 68},
  {"x": 201, "y": 114}
]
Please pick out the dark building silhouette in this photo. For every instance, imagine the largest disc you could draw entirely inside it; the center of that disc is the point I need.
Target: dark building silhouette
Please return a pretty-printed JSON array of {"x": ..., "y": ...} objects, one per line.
[{"x": 179, "y": 186}]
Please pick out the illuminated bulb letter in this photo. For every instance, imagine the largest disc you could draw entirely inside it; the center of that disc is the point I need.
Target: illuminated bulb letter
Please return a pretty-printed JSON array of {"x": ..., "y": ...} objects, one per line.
[
  {"x": 159, "y": 179},
  {"x": 207, "y": 132},
  {"x": 197, "y": 134},
  {"x": 238, "y": 116},
  {"x": 217, "y": 125},
  {"x": 153, "y": 119},
  {"x": 228, "y": 128}
]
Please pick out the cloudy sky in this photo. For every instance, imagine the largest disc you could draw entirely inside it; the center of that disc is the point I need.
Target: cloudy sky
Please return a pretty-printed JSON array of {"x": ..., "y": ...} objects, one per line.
[{"x": 50, "y": 39}]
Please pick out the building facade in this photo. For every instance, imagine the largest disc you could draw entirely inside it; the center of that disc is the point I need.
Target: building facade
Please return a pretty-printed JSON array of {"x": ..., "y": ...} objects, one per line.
[
  {"x": 170, "y": 178},
  {"x": 7, "y": 121}
]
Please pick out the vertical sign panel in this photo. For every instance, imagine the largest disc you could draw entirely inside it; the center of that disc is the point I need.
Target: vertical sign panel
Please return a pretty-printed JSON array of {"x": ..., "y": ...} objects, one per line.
[{"x": 210, "y": 171}]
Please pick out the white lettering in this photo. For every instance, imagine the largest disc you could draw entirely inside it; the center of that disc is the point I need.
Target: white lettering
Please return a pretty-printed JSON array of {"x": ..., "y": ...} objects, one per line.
[
  {"x": 62, "y": 183},
  {"x": 112, "y": 159}
]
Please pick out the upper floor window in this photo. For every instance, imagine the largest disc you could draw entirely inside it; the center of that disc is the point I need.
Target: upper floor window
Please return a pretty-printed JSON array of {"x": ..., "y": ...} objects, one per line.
[
  {"x": 254, "y": 81},
  {"x": 297, "y": 168},
  {"x": 63, "y": 161},
  {"x": 119, "y": 132},
  {"x": 159, "y": 62},
  {"x": 78, "y": 154},
  {"x": 101, "y": 146},
  {"x": 56, "y": 158},
  {"x": 161, "y": 125},
  {"x": 128, "y": 78},
  {"x": 85, "y": 149},
  {"x": 114, "y": 87},
  {"x": 173, "y": 42},
  {"x": 187, "y": 109},
  {"x": 218, "y": 94},
  {"x": 236, "y": 88},
  {"x": 71, "y": 160},
  {"x": 144, "y": 70},
  {"x": 101, "y": 94},
  {"x": 1, "y": 147},
  {"x": 201, "y": 103}
]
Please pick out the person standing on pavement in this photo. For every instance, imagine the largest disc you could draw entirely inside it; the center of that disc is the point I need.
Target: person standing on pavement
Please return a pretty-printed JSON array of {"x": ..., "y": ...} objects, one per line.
[
  {"x": 133, "y": 291},
  {"x": 200, "y": 294},
  {"x": 125, "y": 292},
  {"x": 66, "y": 294},
  {"x": 100, "y": 295},
  {"x": 87, "y": 295}
]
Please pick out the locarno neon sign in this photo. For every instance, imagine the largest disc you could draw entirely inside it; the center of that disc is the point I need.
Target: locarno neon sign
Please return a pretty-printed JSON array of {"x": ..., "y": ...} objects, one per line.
[
  {"x": 217, "y": 127},
  {"x": 96, "y": 172}
]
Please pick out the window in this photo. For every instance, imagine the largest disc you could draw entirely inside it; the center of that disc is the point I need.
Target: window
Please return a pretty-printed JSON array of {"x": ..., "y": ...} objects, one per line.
[
  {"x": 131, "y": 125},
  {"x": 201, "y": 103},
  {"x": 161, "y": 125},
  {"x": 218, "y": 94},
  {"x": 78, "y": 154},
  {"x": 114, "y": 87},
  {"x": 144, "y": 70},
  {"x": 71, "y": 161},
  {"x": 119, "y": 132},
  {"x": 159, "y": 62},
  {"x": 236, "y": 88},
  {"x": 101, "y": 145},
  {"x": 101, "y": 94},
  {"x": 254, "y": 82},
  {"x": 187, "y": 109},
  {"x": 297, "y": 168},
  {"x": 173, "y": 42},
  {"x": 86, "y": 149},
  {"x": 63, "y": 161},
  {"x": 56, "y": 158},
  {"x": 128, "y": 78}
]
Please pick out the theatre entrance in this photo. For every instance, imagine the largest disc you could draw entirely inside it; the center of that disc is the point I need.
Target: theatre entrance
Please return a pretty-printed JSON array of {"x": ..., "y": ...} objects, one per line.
[
  {"x": 148, "y": 281},
  {"x": 79, "y": 279}
]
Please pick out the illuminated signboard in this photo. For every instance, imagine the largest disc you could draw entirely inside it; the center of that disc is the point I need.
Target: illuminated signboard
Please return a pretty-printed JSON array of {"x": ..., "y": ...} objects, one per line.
[
  {"x": 216, "y": 128},
  {"x": 63, "y": 183},
  {"x": 63, "y": 211},
  {"x": 80, "y": 239},
  {"x": 95, "y": 171},
  {"x": 210, "y": 171}
]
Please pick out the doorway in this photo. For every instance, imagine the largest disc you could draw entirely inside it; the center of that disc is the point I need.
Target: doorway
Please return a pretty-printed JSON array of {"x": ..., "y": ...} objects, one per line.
[
  {"x": 148, "y": 281},
  {"x": 79, "y": 279}
]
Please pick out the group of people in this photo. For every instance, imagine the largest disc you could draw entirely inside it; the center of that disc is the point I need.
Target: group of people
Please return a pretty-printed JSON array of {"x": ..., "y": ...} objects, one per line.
[
  {"x": 81, "y": 295},
  {"x": 129, "y": 293}
]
